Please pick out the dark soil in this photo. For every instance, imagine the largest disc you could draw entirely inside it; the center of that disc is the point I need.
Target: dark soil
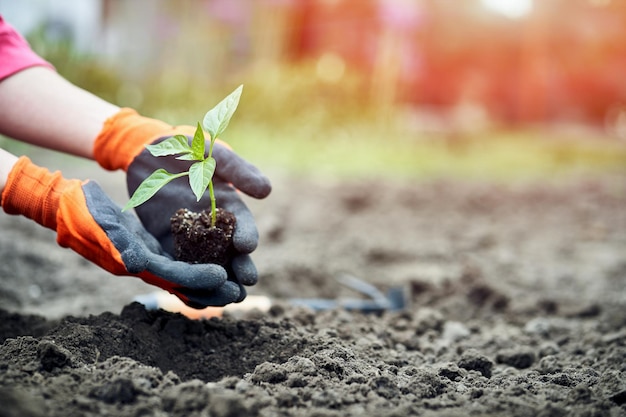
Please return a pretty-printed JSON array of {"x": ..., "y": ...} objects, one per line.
[
  {"x": 517, "y": 308},
  {"x": 196, "y": 241}
]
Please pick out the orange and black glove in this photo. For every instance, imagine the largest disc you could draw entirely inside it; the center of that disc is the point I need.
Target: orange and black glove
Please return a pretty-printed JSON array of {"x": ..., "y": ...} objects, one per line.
[
  {"x": 121, "y": 145},
  {"x": 89, "y": 222}
]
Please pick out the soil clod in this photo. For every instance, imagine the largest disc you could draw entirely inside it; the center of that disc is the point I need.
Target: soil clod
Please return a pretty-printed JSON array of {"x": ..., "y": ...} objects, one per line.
[{"x": 196, "y": 241}]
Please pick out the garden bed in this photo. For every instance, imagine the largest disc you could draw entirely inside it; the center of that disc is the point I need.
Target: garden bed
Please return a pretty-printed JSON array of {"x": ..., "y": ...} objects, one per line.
[{"x": 515, "y": 307}]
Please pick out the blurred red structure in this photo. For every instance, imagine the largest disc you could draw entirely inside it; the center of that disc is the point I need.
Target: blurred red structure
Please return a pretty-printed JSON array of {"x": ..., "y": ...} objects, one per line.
[{"x": 564, "y": 61}]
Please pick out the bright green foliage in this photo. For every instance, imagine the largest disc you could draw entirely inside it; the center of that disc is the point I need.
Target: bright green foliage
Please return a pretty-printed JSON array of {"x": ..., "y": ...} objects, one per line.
[
  {"x": 216, "y": 120},
  {"x": 150, "y": 186},
  {"x": 200, "y": 172},
  {"x": 172, "y": 146}
]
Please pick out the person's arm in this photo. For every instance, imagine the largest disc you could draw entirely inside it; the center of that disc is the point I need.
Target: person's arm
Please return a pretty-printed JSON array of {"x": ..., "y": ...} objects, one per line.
[
  {"x": 7, "y": 161},
  {"x": 42, "y": 108}
]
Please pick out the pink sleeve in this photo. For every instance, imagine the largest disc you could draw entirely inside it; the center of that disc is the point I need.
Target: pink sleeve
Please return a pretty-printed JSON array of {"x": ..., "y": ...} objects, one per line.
[{"x": 15, "y": 53}]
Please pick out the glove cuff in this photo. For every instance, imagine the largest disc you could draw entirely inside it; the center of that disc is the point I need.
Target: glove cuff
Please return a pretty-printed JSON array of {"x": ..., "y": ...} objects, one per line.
[
  {"x": 125, "y": 134},
  {"x": 34, "y": 192}
]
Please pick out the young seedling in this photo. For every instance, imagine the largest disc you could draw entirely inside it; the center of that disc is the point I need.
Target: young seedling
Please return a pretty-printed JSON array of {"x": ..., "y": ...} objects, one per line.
[{"x": 201, "y": 171}]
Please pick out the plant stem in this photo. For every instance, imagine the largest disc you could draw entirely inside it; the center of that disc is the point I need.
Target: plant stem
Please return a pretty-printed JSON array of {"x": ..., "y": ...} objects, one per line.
[
  {"x": 211, "y": 143},
  {"x": 213, "y": 204},
  {"x": 211, "y": 192}
]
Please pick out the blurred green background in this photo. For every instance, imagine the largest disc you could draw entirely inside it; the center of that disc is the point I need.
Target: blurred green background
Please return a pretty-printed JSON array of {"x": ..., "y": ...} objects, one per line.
[{"x": 355, "y": 88}]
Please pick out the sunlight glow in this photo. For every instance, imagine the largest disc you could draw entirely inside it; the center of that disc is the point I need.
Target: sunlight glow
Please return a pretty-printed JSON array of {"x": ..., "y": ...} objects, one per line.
[
  {"x": 330, "y": 67},
  {"x": 513, "y": 9}
]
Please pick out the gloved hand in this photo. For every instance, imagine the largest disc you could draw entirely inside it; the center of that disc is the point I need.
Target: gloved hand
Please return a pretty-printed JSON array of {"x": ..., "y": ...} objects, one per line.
[
  {"x": 88, "y": 222},
  {"x": 121, "y": 145}
]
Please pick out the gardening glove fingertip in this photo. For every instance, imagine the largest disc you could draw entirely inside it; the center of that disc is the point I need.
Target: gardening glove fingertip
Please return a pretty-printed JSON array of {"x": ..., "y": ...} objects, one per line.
[
  {"x": 245, "y": 238},
  {"x": 244, "y": 270},
  {"x": 205, "y": 277},
  {"x": 228, "y": 293},
  {"x": 242, "y": 294},
  {"x": 244, "y": 176}
]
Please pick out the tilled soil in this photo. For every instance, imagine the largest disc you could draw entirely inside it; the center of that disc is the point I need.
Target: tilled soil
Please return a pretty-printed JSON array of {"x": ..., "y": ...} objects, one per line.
[{"x": 516, "y": 305}]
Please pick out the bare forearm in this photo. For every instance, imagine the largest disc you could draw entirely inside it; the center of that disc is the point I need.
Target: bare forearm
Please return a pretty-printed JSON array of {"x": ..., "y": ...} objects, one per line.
[{"x": 42, "y": 108}]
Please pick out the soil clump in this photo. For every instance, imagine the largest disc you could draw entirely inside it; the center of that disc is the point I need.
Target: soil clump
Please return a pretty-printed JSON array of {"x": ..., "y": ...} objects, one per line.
[{"x": 197, "y": 241}]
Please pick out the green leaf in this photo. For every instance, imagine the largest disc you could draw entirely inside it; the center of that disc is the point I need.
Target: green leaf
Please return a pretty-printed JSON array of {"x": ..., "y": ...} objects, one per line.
[
  {"x": 216, "y": 120},
  {"x": 200, "y": 175},
  {"x": 197, "y": 144},
  {"x": 186, "y": 157},
  {"x": 171, "y": 146},
  {"x": 149, "y": 187}
]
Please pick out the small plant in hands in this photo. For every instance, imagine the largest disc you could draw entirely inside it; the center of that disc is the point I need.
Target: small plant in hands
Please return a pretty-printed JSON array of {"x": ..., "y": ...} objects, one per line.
[{"x": 204, "y": 237}]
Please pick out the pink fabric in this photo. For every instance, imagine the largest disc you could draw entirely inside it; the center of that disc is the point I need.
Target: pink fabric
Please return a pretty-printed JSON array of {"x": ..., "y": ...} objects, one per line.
[{"x": 15, "y": 53}]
